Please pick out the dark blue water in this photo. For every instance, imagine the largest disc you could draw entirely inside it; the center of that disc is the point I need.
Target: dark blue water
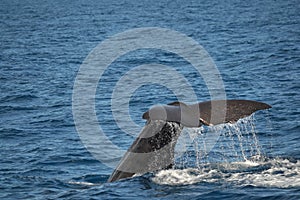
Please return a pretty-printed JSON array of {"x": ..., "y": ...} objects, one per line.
[{"x": 255, "y": 45}]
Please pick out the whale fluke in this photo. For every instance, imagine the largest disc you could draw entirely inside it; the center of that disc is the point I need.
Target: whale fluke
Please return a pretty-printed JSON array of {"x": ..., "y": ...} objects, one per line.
[
  {"x": 205, "y": 113},
  {"x": 154, "y": 148},
  {"x": 235, "y": 110}
]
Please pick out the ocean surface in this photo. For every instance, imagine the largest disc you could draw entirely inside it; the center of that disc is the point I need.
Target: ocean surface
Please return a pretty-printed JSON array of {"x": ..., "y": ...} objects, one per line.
[{"x": 255, "y": 46}]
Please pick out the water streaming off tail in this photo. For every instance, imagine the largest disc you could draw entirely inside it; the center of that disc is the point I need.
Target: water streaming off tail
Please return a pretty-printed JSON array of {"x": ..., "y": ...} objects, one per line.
[{"x": 223, "y": 143}]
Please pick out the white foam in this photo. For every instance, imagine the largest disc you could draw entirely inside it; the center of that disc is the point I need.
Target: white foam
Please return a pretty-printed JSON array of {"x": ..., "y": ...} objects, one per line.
[
  {"x": 81, "y": 183},
  {"x": 178, "y": 177},
  {"x": 275, "y": 173}
]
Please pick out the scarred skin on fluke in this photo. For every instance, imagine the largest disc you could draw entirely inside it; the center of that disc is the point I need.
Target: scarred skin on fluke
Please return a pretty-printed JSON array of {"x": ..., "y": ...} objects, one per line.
[{"x": 154, "y": 148}]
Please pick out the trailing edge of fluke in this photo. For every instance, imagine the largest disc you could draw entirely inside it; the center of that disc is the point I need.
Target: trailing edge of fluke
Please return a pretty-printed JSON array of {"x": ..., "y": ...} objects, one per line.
[{"x": 153, "y": 149}]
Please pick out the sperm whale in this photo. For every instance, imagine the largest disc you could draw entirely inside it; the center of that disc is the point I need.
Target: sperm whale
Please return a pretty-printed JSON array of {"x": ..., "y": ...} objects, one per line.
[{"x": 154, "y": 148}]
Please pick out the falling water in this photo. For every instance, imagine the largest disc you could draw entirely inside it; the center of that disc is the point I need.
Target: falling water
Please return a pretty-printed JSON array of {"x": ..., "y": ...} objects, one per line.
[{"x": 223, "y": 143}]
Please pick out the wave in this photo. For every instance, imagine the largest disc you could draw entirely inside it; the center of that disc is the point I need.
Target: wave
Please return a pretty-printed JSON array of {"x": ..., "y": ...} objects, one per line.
[{"x": 18, "y": 98}]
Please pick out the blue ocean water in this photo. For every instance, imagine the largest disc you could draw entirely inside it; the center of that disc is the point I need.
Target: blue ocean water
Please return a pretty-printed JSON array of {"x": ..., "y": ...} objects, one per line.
[{"x": 255, "y": 45}]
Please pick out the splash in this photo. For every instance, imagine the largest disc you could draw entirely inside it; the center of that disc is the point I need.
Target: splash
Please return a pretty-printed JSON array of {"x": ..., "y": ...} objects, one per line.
[
  {"x": 236, "y": 158},
  {"x": 281, "y": 173}
]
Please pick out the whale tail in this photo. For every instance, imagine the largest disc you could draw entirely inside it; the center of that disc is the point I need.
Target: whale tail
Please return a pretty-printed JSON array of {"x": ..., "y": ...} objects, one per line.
[
  {"x": 154, "y": 148},
  {"x": 205, "y": 113}
]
